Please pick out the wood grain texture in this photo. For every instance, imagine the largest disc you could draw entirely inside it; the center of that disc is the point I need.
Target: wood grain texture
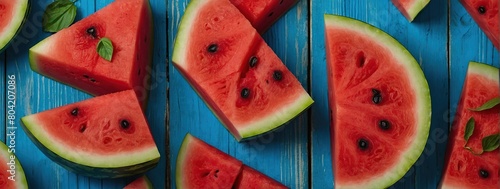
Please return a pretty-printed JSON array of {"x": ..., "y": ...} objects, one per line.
[{"x": 36, "y": 93}]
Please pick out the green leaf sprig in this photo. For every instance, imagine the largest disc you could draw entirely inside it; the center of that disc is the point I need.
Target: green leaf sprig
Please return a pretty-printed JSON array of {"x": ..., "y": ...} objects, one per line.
[
  {"x": 58, "y": 15},
  {"x": 105, "y": 48},
  {"x": 488, "y": 105},
  {"x": 488, "y": 143}
]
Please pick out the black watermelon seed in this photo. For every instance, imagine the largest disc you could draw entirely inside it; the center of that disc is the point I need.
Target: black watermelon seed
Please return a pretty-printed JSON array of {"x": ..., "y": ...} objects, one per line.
[
  {"x": 270, "y": 14},
  {"x": 83, "y": 127},
  {"x": 362, "y": 144},
  {"x": 92, "y": 32},
  {"x": 245, "y": 93},
  {"x": 377, "y": 97},
  {"x": 253, "y": 61},
  {"x": 74, "y": 112},
  {"x": 281, "y": 2},
  {"x": 92, "y": 80},
  {"x": 384, "y": 124},
  {"x": 481, "y": 9},
  {"x": 483, "y": 173},
  {"x": 216, "y": 173},
  {"x": 86, "y": 76},
  {"x": 124, "y": 124},
  {"x": 277, "y": 75},
  {"x": 212, "y": 48}
]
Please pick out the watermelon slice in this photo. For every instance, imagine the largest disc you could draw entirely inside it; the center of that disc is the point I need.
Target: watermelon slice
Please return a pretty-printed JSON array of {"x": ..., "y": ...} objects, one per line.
[
  {"x": 70, "y": 56},
  {"x": 200, "y": 165},
  {"x": 92, "y": 139},
  {"x": 462, "y": 168},
  {"x": 231, "y": 67},
  {"x": 410, "y": 8},
  {"x": 12, "y": 174},
  {"x": 252, "y": 179},
  {"x": 380, "y": 105},
  {"x": 486, "y": 15},
  {"x": 12, "y": 16},
  {"x": 140, "y": 183},
  {"x": 263, "y": 13}
]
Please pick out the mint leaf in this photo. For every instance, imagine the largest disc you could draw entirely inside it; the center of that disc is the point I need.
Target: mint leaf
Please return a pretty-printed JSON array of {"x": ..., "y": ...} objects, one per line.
[
  {"x": 491, "y": 142},
  {"x": 488, "y": 105},
  {"x": 105, "y": 48},
  {"x": 469, "y": 129},
  {"x": 58, "y": 15}
]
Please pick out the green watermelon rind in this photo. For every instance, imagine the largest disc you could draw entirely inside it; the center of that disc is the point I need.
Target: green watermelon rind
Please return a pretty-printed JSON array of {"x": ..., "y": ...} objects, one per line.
[
  {"x": 416, "y": 8},
  {"x": 88, "y": 164},
  {"x": 20, "y": 176},
  {"x": 420, "y": 86},
  {"x": 16, "y": 24},
  {"x": 484, "y": 70},
  {"x": 256, "y": 128},
  {"x": 181, "y": 157}
]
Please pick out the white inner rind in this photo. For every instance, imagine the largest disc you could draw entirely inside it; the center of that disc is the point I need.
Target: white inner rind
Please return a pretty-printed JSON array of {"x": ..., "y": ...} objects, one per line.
[
  {"x": 420, "y": 87},
  {"x": 276, "y": 118},
  {"x": 19, "y": 11},
  {"x": 416, "y": 7},
  {"x": 87, "y": 158},
  {"x": 484, "y": 70}
]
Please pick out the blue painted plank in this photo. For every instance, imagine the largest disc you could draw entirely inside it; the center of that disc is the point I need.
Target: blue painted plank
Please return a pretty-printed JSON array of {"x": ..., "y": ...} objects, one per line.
[
  {"x": 37, "y": 93},
  {"x": 282, "y": 154},
  {"x": 425, "y": 38},
  {"x": 3, "y": 94},
  {"x": 467, "y": 43}
]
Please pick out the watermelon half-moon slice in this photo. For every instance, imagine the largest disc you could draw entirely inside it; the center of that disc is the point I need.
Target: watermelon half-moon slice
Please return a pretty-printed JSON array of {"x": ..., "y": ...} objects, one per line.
[
  {"x": 410, "y": 8},
  {"x": 464, "y": 169},
  {"x": 487, "y": 16},
  {"x": 102, "y": 137},
  {"x": 380, "y": 105},
  {"x": 12, "y": 15},
  {"x": 234, "y": 71},
  {"x": 12, "y": 175}
]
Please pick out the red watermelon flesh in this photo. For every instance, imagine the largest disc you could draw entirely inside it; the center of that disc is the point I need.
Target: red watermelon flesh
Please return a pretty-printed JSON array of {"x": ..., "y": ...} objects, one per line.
[
  {"x": 263, "y": 13},
  {"x": 70, "y": 56},
  {"x": 140, "y": 183},
  {"x": 12, "y": 16},
  {"x": 235, "y": 72},
  {"x": 380, "y": 105},
  {"x": 486, "y": 14},
  {"x": 410, "y": 8},
  {"x": 252, "y": 179},
  {"x": 462, "y": 168},
  {"x": 200, "y": 165},
  {"x": 12, "y": 175},
  {"x": 105, "y": 136}
]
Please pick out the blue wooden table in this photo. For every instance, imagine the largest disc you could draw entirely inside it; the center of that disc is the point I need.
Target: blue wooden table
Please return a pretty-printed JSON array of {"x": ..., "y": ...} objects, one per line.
[{"x": 443, "y": 39}]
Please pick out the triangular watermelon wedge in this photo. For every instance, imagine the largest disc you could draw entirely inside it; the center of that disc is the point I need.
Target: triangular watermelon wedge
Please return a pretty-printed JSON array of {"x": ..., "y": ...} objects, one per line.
[
  {"x": 140, "y": 183},
  {"x": 462, "y": 168},
  {"x": 70, "y": 55},
  {"x": 12, "y": 16},
  {"x": 487, "y": 16},
  {"x": 410, "y": 8},
  {"x": 263, "y": 13},
  {"x": 104, "y": 137},
  {"x": 200, "y": 165},
  {"x": 235, "y": 72}
]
